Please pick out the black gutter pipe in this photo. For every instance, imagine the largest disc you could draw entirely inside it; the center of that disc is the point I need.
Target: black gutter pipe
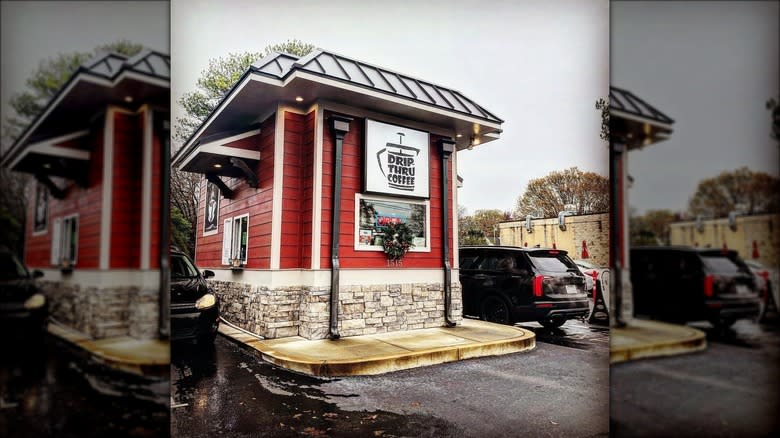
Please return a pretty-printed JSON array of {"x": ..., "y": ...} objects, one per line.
[
  {"x": 340, "y": 127},
  {"x": 446, "y": 148},
  {"x": 164, "y": 324}
]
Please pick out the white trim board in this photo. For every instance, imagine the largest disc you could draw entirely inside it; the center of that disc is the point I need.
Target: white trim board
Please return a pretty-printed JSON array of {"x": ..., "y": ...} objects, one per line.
[
  {"x": 146, "y": 190},
  {"x": 48, "y": 147},
  {"x": 218, "y": 147},
  {"x": 276, "y": 209},
  {"x": 321, "y": 277}
]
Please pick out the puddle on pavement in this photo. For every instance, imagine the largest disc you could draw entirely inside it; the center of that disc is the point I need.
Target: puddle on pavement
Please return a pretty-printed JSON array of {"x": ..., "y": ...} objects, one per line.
[{"x": 240, "y": 394}]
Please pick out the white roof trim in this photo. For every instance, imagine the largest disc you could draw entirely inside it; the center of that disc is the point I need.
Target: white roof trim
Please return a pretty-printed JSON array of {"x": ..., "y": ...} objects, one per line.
[
  {"x": 640, "y": 119},
  {"x": 48, "y": 147},
  {"x": 219, "y": 148}
]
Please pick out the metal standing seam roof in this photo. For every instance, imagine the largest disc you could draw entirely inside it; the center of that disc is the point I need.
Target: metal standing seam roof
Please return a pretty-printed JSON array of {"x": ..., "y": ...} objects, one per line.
[
  {"x": 334, "y": 66},
  {"x": 628, "y": 102},
  {"x": 107, "y": 66}
]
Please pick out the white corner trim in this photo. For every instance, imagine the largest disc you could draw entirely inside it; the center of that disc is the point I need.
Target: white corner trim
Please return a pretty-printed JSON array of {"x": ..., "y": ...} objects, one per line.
[
  {"x": 146, "y": 190},
  {"x": 454, "y": 247},
  {"x": 106, "y": 206},
  {"x": 316, "y": 210},
  {"x": 276, "y": 211}
]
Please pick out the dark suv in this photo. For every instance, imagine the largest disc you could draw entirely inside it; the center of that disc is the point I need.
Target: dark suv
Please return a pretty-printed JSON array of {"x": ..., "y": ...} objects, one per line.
[
  {"x": 506, "y": 284},
  {"x": 680, "y": 284},
  {"x": 194, "y": 306},
  {"x": 23, "y": 308}
]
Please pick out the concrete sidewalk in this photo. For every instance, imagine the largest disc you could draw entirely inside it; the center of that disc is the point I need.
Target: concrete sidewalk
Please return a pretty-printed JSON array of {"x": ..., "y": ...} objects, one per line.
[
  {"x": 386, "y": 352},
  {"x": 642, "y": 338},
  {"x": 144, "y": 358}
]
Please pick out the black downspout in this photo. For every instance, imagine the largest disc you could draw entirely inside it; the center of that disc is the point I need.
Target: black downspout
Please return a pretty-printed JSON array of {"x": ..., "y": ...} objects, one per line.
[
  {"x": 616, "y": 152},
  {"x": 164, "y": 324},
  {"x": 340, "y": 127},
  {"x": 446, "y": 148}
]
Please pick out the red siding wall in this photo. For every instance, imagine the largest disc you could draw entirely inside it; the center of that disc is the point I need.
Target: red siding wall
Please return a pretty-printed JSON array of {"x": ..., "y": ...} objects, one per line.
[
  {"x": 158, "y": 136},
  {"x": 257, "y": 202},
  {"x": 126, "y": 191},
  {"x": 351, "y": 184},
  {"x": 86, "y": 202},
  {"x": 298, "y": 148}
]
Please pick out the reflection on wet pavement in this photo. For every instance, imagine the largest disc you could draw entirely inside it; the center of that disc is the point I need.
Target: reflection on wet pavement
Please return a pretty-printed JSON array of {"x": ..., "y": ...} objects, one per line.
[
  {"x": 574, "y": 334},
  {"x": 43, "y": 393},
  {"x": 224, "y": 389}
]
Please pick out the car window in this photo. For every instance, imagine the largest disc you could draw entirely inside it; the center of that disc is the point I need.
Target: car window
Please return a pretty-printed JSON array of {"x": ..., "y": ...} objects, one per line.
[
  {"x": 552, "y": 261},
  {"x": 720, "y": 264},
  {"x": 10, "y": 267},
  {"x": 181, "y": 267},
  {"x": 489, "y": 262},
  {"x": 466, "y": 261}
]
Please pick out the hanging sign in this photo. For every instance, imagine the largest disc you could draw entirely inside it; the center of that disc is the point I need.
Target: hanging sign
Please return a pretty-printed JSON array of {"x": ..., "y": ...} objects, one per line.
[{"x": 396, "y": 160}]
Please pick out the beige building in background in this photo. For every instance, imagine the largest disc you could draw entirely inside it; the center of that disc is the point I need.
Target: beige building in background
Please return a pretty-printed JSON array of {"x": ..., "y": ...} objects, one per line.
[
  {"x": 593, "y": 229},
  {"x": 749, "y": 235}
]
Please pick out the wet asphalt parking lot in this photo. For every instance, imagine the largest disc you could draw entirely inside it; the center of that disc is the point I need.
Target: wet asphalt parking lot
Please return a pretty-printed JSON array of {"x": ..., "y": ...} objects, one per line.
[
  {"x": 44, "y": 392},
  {"x": 558, "y": 389},
  {"x": 731, "y": 389}
]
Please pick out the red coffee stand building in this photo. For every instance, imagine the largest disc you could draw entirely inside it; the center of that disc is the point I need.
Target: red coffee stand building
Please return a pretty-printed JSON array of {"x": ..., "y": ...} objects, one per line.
[
  {"x": 304, "y": 149},
  {"x": 94, "y": 224}
]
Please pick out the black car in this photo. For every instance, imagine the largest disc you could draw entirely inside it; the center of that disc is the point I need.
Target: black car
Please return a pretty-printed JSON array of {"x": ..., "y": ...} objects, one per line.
[
  {"x": 194, "y": 306},
  {"x": 680, "y": 284},
  {"x": 23, "y": 308},
  {"x": 506, "y": 284}
]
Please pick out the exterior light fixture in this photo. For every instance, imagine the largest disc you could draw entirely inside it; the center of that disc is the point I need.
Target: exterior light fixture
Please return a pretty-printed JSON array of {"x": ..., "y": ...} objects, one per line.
[
  {"x": 459, "y": 135},
  {"x": 217, "y": 166},
  {"x": 298, "y": 99},
  {"x": 128, "y": 99},
  {"x": 46, "y": 166}
]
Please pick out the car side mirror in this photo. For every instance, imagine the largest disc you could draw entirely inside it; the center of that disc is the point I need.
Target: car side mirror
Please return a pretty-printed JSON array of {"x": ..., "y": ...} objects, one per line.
[
  {"x": 208, "y": 273},
  {"x": 37, "y": 273}
]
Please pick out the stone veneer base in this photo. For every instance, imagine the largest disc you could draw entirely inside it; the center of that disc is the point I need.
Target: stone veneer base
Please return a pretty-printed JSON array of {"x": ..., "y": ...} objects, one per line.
[{"x": 363, "y": 309}]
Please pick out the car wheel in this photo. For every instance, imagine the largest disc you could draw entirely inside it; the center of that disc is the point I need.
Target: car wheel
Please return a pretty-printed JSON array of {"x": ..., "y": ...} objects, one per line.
[
  {"x": 495, "y": 309},
  {"x": 552, "y": 322},
  {"x": 207, "y": 339}
]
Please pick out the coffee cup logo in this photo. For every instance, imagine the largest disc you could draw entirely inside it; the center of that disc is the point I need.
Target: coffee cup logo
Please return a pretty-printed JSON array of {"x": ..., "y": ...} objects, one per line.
[{"x": 397, "y": 164}]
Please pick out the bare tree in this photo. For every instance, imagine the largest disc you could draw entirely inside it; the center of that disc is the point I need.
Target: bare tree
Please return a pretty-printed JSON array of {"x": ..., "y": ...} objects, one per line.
[
  {"x": 743, "y": 189},
  {"x": 588, "y": 192}
]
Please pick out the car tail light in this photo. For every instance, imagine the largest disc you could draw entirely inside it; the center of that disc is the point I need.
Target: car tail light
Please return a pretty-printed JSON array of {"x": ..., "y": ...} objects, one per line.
[
  {"x": 709, "y": 285},
  {"x": 765, "y": 289},
  {"x": 538, "y": 281}
]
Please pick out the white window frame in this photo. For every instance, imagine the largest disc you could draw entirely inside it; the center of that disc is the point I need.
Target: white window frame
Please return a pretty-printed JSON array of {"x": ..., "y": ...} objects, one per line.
[
  {"x": 370, "y": 197},
  {"x": 229, "y": 236},
  {"x": 61, "y": 237}
]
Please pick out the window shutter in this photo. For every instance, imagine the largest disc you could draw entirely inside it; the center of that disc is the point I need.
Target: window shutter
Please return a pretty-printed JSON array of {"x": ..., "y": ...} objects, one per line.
[
  {"x": 227, "y": 241},
  {"x": 55, "y": 242}
]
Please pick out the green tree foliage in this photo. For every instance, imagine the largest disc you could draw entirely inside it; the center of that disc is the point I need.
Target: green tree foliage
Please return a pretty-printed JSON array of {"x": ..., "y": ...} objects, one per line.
[
  {"x": 44, "y": 82},
  {"x": 739, "y": 189},
  {"x": 47, "y": 79},
  {"x": 588, "y": 192},
  {"x": 181, "y": 232},
  {"x": 218, "y": 78},
  {"x": 652, "y": 228},
  {"x": 774, "y": 106},
  {"x": 603, "y": 105}
]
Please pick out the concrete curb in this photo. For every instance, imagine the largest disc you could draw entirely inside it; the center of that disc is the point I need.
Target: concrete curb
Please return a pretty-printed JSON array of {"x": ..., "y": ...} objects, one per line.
[
  {"x": 458, "y": 343},
  {"x": 643, "y": 339},
  {"x": 144, "y": 358}
]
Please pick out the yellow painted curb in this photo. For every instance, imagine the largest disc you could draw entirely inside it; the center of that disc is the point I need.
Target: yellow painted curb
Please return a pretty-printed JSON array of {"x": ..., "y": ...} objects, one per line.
[
  {"x": 645, "y": 339},
  {"x": 275, "y": 351}
]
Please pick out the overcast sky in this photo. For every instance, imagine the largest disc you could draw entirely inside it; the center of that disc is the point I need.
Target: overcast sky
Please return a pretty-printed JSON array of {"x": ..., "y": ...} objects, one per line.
[
  {"x": 710, "y": 66},
  {"x": 33, "y": 31},
  {"x": 539, "y": 65}
]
